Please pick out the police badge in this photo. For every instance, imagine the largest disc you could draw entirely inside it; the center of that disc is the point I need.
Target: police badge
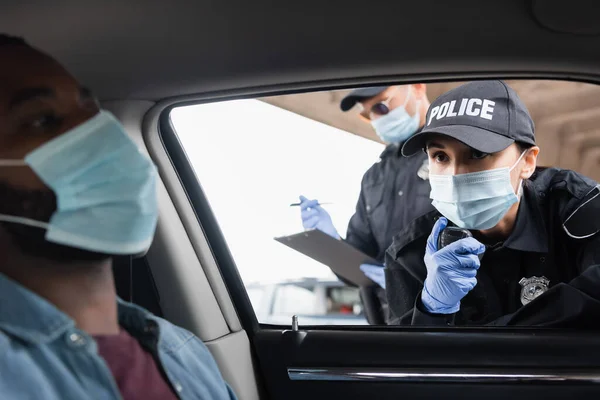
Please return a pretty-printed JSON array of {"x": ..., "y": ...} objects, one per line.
[
  {"x": 532, "y": 288},
  {"x": 423, "y": 171}
]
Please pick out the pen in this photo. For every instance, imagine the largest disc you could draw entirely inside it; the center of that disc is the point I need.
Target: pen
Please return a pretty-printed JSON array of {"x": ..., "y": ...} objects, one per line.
[{"x": 298, "y": 204}]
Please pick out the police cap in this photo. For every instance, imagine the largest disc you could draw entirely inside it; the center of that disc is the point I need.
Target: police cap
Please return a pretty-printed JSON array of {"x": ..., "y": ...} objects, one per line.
[
  {"x": 360, "y": 94},
  {"x": 487, "y": 116}
]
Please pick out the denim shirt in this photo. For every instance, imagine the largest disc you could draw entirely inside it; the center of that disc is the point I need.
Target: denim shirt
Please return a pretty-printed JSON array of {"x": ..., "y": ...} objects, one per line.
[{"x": 44, "y": 356}]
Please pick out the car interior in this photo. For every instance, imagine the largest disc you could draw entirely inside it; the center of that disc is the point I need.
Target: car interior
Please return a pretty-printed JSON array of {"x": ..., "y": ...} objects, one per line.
[{"x": 145, "y": 59}]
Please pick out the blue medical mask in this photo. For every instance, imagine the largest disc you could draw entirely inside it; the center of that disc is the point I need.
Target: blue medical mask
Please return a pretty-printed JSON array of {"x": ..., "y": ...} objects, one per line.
[
  {"x": 475, "y": 200},
  {"x": 105, "y": 189},
  {"x": 397, "y": 125}
]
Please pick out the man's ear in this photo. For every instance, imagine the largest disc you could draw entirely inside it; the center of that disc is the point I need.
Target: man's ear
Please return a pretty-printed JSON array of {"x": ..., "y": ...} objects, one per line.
[
  {"x": 530, "y": 162},
  {"x": 420, "y": 90}
]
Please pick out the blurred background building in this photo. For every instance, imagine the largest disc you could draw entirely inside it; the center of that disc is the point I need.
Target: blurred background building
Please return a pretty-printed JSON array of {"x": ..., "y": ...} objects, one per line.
[{"x": 566, "y": 116}]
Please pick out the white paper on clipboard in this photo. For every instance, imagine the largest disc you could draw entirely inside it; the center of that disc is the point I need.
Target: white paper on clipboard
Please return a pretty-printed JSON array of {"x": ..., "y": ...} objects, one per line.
[{"x": 343, "y": 259}]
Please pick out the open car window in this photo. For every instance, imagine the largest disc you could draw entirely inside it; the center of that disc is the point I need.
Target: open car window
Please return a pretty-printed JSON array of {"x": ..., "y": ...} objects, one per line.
[
  {"x": 254, "y": 157},
  {"x": 253, "y": 160}
]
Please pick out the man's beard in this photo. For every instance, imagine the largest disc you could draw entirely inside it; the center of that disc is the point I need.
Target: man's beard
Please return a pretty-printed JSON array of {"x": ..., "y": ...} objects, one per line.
[{"x": 38, "y": 205}]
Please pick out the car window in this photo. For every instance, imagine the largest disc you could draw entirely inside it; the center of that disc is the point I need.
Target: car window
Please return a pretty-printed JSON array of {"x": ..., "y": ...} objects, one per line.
[
  {"x": 257, "y": 297},
  {"x": 343, "y": 300},
  {"x": 254, "y": 158},
  {"x": 291, "y": 300}
]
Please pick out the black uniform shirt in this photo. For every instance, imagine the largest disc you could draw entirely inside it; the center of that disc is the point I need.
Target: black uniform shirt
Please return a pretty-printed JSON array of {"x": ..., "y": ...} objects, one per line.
[
  {"x": 394, "y": 191},
  {"x": 538, "y": 249},
  {"x": 512, "y": 260}
]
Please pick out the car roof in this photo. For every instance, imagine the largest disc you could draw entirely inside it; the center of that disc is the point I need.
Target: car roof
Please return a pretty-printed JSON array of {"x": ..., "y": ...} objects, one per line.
[{"x": 161, "y": 49}]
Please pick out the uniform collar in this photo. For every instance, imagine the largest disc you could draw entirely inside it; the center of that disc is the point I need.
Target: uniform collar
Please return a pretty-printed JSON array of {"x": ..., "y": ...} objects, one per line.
[
  {"x": 33, "y": 319},
  {"x": 529, "y": 234},
  {"x": 391, "y": 150}
]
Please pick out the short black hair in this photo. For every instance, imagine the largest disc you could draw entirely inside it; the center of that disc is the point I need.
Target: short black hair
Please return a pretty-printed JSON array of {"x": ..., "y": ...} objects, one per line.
[{"x": 6, "y": 40}]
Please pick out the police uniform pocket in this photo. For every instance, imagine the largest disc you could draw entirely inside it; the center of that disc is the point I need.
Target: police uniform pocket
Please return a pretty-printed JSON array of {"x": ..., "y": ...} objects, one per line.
[{"x": 373, "y": 198}]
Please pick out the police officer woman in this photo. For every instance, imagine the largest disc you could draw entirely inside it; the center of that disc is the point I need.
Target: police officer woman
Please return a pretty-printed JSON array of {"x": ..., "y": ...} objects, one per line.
[{"x": 531, "y": 258}]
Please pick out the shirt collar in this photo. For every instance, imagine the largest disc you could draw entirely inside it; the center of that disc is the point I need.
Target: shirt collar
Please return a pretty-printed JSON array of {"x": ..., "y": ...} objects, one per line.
[
  {"x": 529, "y": 234},
  {"x": 391, "y": 150},
  {"x": 28, "y": 316},
  {"x": 33, "y": 319}
]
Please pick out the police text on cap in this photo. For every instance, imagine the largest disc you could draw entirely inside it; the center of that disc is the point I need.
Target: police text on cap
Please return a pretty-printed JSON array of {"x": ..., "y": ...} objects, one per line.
[{"x": 471, "y": 107}]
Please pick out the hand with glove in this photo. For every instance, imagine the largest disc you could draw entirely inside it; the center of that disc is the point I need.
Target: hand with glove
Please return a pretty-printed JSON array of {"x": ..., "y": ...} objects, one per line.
[
  {"x": 315, "y": 217},
  {"x": 374, "y": 273},
  {"x": 451, "y": 271}
]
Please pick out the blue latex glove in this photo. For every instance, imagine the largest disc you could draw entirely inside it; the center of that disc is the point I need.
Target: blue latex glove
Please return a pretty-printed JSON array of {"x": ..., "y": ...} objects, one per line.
[
  {"x": 374, "y": 273},
  {"x": 315, "y": 217},
  {"x": 451, "y": 271}
]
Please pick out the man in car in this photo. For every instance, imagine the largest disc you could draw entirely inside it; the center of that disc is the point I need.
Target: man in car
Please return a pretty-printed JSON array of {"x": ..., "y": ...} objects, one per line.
[
  {"x": 75, "y": 192},
  {"x": 535, "y": 229},
  {"x": 394, "y": 190}
]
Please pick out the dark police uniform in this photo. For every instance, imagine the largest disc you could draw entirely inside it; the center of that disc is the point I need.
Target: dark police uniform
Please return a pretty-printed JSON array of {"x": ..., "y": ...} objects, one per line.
[
  {"x": 394, "y": 191},
  {"x": 551, "y": 253}
]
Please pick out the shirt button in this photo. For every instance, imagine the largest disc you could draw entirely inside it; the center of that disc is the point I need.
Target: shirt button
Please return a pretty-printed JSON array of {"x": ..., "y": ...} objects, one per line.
[
  {"x": 76, "y": 340},
  {"x": 368, "y": 208},
  {"x": 542, "y": 259},
  {"x": 401, "y": 193},
  {"x": 150, "y": 328},
  {"x": 178, "y": 387}
]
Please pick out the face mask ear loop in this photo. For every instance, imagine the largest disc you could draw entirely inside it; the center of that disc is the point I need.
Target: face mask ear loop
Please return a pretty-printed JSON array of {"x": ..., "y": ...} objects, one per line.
[
  {"x": 417, "y": 105},
  {"x": 520, "y": 189},
  {"x": 518, "y": 160},
  {"x": 407, "y": 97},
  {"x": 417, "y": 109}
]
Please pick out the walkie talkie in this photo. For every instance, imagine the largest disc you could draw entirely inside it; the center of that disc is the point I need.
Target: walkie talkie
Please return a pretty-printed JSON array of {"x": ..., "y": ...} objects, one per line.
[{"x": 451, "y": 234}]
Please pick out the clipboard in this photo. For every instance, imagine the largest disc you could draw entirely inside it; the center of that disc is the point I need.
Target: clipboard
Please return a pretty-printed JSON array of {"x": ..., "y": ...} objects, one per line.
[{"x": 343, "y": 259}]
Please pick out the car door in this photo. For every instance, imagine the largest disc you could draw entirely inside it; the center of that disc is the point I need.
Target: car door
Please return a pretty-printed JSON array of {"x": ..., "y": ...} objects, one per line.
[{"x": 382, "y": 362}]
